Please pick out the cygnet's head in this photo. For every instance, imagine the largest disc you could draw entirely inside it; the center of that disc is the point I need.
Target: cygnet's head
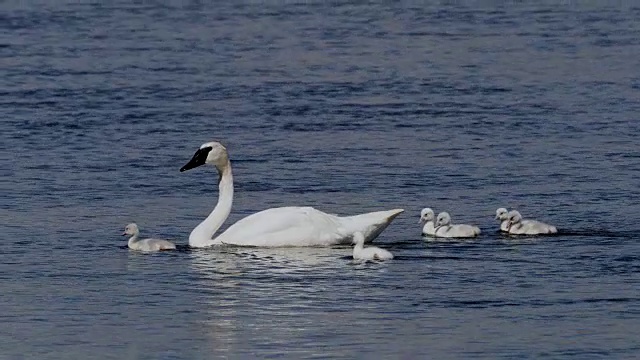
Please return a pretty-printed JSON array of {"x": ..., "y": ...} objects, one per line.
[
  {"x": 426, "y": 215},
  {"x": 501, "y": 214},
  {"x": 443, "y": 219},
  {"x": 514, "y": 217},
  {"x": 212, "y": 153},
  {"x": 131, "y": 229},
  {"x": 358, "y": 238}
]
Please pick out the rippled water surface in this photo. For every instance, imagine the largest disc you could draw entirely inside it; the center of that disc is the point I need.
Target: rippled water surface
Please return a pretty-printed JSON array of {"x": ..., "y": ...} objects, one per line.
[{"x": 345, "y": 107}]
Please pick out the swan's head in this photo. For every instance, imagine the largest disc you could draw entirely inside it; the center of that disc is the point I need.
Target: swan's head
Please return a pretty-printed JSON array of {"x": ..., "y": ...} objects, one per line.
[
  {"x": 131, "y": 229},
  {"x": 443, "y": 219},
  {"x": 426, "y": 214},
  {"x": 358, "y": 238},
  {"x": 212, "y": 153},
  {"x": 502, "y": 214}
]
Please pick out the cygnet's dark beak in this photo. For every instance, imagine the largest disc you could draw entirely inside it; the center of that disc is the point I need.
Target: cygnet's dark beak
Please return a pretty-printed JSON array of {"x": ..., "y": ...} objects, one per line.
[
  {"x": 198, "y": 159},
  {"x": 124, "y": 233}
]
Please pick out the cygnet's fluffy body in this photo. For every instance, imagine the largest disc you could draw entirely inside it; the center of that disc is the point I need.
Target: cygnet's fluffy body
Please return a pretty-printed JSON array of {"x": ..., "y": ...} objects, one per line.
[
  {"x": 445, "y": 229},
  {"x": 145, "y": 244},
  {"x": 518, "y": 226},
  {"x": 368, "y": 253}
]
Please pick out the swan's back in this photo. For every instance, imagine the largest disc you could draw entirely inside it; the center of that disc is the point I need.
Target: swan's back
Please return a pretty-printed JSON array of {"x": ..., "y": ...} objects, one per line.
[
  {"x": 532, "y": 227},
  {"x": 469, "y": 230},
  {"x": 373, "y": 253},
  {"x": 458, "y": 231},
  {"x": 542, "y": 227},
  {"x": 304, "y": 226},
  {"x": 369, "y": 224},
  {"x": 152, "y": 245}
]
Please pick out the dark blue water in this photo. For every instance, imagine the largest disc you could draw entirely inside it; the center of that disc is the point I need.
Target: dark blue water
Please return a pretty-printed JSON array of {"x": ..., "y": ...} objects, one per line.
[{"x": 345, "y": 107}]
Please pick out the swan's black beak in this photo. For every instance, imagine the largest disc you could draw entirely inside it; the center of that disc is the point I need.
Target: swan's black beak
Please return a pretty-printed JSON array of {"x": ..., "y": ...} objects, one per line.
[{"x": 198, "y": 159}]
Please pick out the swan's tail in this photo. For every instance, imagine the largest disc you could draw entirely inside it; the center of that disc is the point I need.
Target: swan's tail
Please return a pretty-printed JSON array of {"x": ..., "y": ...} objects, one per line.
[{"x": 370, "y": 224}]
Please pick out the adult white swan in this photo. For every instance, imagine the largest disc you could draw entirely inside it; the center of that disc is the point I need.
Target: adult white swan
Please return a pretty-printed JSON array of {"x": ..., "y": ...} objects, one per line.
[
  {"x": 284, "y": 226},
  {"x": 518, "y": 226}
]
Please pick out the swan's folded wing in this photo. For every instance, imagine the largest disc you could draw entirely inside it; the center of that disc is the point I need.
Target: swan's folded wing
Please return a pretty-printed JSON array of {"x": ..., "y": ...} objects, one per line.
[
  {"x": 155, "y": 244},
  {"x": 369, "y": 224},
  {"x": 469, "y": 230},
  {"x": 285, "y": 226},
  {"x": 536, "y": 227},
  {"x": 304, "y": 226}
]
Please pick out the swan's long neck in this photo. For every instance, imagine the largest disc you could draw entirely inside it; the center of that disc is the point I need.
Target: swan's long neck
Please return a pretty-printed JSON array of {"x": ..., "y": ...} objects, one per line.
[
  {"x": 358, "y": 247},
  {"x": 133, "y": 240},
  {"x": 203, "y": 233}
]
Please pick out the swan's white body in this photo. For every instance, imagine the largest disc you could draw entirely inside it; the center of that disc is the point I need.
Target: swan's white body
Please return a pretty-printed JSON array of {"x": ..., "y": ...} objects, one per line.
[
  {"x": 368, "y": 253},
  {"x": 302, "y": 226},
  {"x": 276, "y": 227},
  {"x": 445, "y": 229},
  {"x": 518, "y": 226},
  {"x": 503, "y": 216},
  {"x": 145, "y": 244},
  {"x": 427, "y": 216}
]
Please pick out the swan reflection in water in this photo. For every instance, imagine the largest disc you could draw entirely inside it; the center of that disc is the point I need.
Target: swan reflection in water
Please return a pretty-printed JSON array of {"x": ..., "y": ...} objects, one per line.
[
  {"x": 248, "y": 293},
  {"x": 222, "y": 261}
]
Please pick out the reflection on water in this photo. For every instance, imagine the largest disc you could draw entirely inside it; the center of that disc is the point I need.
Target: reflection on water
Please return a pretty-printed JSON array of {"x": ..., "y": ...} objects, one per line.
[
  {"x": 242, "y": 286},
  {"x": 235, "y": 283}
]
